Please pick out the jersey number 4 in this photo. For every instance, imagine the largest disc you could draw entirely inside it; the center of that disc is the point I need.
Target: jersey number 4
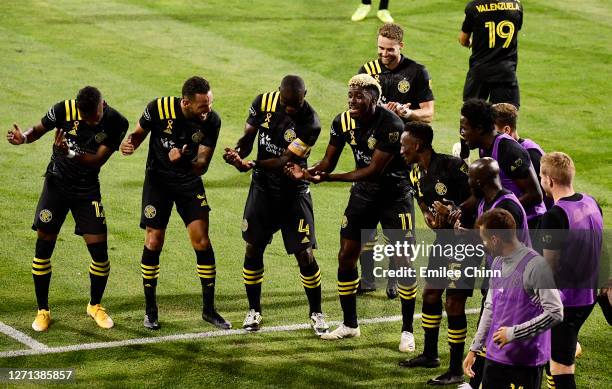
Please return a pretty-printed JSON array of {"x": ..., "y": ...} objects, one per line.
[
  {"x": 504, "y": 29},
  {"x": 304, "y": 227}
]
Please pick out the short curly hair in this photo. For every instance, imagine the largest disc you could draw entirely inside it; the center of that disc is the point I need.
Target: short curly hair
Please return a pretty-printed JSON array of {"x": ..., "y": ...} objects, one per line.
[
  {"x": 392, "y": 31},
  {"x": 480, "y": 115},
  {"x": 195, "y": 85},
  {"x": 88, "y": 99},
  {"x": 368, "y": 83}
]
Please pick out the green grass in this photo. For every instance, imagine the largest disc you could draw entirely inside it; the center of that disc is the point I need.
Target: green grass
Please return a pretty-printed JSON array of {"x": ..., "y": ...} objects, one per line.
[{"x": 134, "y": 51}]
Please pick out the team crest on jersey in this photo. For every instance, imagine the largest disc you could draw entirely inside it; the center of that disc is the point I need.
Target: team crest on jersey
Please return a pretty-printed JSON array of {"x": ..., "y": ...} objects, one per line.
[
  {"x": 441, "y": 189},
  {"x": 290, "y": 135},
  {"x": 394, "y": 137},
  {"x": 518, "y": 163},
  {"x": 403, "y": 86},
  {"x": 45, "y": 216},
  {"x": 100, "y": 137},
  {"x": 245, "y": 225},
  {"x": 150, "y": 212},
  {"x": 344, "y": 222},
  {"x": 197, "y": 137},
  {"x": 371, "y": 143}
]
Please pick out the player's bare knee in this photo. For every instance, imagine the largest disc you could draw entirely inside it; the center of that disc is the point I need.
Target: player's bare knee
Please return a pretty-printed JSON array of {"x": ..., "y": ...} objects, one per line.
[
  {"x": 454, "y": 305},
  {"x": 154, "y": 239},
  {"x": 254, "y": 252},
  {"x": 431, "y": 296},
  {"x": 557, "y": 368},
  {"x": 305, "y": 257},
  {"x": 201, "y": 244},
  {"x": 46, "y": 236}
]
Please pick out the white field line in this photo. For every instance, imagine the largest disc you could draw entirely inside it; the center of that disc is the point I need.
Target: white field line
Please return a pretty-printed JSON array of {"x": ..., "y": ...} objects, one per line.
[
  {"x": 19, "y": 336},
  {"x": 188, "y": 336}
]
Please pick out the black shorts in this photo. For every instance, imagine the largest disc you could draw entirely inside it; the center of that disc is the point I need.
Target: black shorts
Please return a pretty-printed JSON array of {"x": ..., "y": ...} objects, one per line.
[
  {"x": 265, "y": 214},
  {"x": 563, "y": 336},
  {"x": 396, "y": 216},
  {"x": 53, "y": 206},
  {"x": 496, "y": 375},
  {"x": 158, "y": 198},
  {"x": 495, "y": 92}
]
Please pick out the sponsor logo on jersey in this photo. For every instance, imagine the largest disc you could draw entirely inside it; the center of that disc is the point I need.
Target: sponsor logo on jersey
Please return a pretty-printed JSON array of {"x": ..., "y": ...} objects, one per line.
[
  {"x": 371, "y": 143},
  {"x": 45, "y": 216},
  {"x": 403, "y": 86}
]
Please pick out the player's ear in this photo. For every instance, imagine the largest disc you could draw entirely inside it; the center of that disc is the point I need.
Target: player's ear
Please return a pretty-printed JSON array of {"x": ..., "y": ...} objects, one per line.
[
  {"x": 401, "y": 45},
  {"x": 305, "y": 91}
]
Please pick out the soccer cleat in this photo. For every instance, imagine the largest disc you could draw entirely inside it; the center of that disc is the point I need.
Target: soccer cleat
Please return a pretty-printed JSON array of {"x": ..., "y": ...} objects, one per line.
[
  {"x": 578, "y": 350},
  {"x": 406, "y": 342},
  {"x": 42, "y": 321},
  {"x": 447, "y": 378},
  {"x": 342, "y": 332},
  {"x": 217, "y": 320},
  {"x": 99, "y": 314},
  {"x": 151, "y": 319},
  {"x": 421, "y": 361},
  {"x": 252, "y": 321},
  {"x": 362, "y": 11},
  {"x": 318, "y": 323},
  {"x": 384, "y": 16}
]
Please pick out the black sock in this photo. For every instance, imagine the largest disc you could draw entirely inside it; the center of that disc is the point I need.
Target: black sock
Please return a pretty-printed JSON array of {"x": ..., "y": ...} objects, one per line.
[
  {"x": 550, "y": 383},
  {"x": 348, "y": 282},
  {"x": 310, "y": 275},
  {"x": 564, "y": 381},
  {"x": 99, "y": 269},
  {"x": 41, "y": 271},
  {"x": 253, "y": 273},
  {"x": 478, "y": 368},
  {"x": 366, "y": 263},
  {"x": 384, "y": 4},
  {"x": 432, "y": 316},
  {"x": 457, "y": 332},
  {"x": 408, "y": 299},
  {"x": 206, "y": 271},
  {"x": 149, "y": 266}
]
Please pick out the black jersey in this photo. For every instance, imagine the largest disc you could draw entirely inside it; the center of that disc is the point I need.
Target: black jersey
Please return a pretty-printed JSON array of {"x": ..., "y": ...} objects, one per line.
[
  {"x": 277, "y": 132},
  {"x": 513, "y": 160},
  {"x": 169, "y": 128},
  {"x": 75, "y": 177},
  {"x": 382, "y": 133},
  {"x": 409, "y": 82},
  {"x": 494, "y": 25},
  {"x": 446, "y": 178}
]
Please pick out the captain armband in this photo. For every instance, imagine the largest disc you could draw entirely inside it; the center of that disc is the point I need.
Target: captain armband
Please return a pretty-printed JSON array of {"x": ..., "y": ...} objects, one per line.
[{"x": 299, "y": 148}]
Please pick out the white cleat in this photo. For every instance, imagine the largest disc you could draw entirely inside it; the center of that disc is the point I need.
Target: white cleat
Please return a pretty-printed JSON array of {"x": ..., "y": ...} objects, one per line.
[
  {"x": 406, "y": 344},
  {"x": 318, "y": 324},
  {"x": 342, "y": 332},
  {"x": 464, "y": 385},
  {"x": 252, "y": 321}
]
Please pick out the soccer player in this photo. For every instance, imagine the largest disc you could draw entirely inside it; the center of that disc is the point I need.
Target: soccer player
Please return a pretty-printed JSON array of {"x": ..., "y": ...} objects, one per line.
[
  {"x": 571, "y": 236},
  {"x": 406, "y": 90},
  {"x": 516, "y": 170},
  {"x": 88, "y": 132},
  {"x": 379, "y": 193},
  {"x": 506, "y": 116},
  {"x": 490, "y": 29},
  {"x": 363, "y": 10},
  {"x": 439, "y": 179},
  {"x": 286, "y": 128},
  {"x": 184, "y": 132},
  {"x": 521, "y": 307},
  {"x": 406, "y": 84},
  {"x": 485, "y": 184}
]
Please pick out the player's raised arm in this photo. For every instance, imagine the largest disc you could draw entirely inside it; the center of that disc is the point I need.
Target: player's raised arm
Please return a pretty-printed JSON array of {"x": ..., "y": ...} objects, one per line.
[
  {"x": 17, "y": 137},
  {"x": 133, "y": 140}
]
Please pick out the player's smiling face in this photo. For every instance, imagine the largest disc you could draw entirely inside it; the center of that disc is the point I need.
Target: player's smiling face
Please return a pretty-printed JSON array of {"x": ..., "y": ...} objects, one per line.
[
  {"x": 360, "y": 102},
  {"x": 389, "y": 51},
  {"x": 199, "y": 106},
  {"x": 469, "y": 133},
  {"x": 408, "y": 148}
]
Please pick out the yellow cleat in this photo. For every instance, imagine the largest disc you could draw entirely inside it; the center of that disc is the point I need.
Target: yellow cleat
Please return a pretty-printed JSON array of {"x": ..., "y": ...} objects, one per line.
[
  {"x": 99, "y": 314},
  {"x": 385, "y": 16},
  {"x": 361, "y": 12},
  {"x": 42, "y": 321}
]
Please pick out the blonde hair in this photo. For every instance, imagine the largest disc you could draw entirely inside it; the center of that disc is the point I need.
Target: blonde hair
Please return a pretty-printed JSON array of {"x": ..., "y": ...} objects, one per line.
[
  {"x": 505, "y": 114},
  {"x": 558, "y": 166},
  {"x": 365, "y": 81},
  {"x": 392, "y": 31}
]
